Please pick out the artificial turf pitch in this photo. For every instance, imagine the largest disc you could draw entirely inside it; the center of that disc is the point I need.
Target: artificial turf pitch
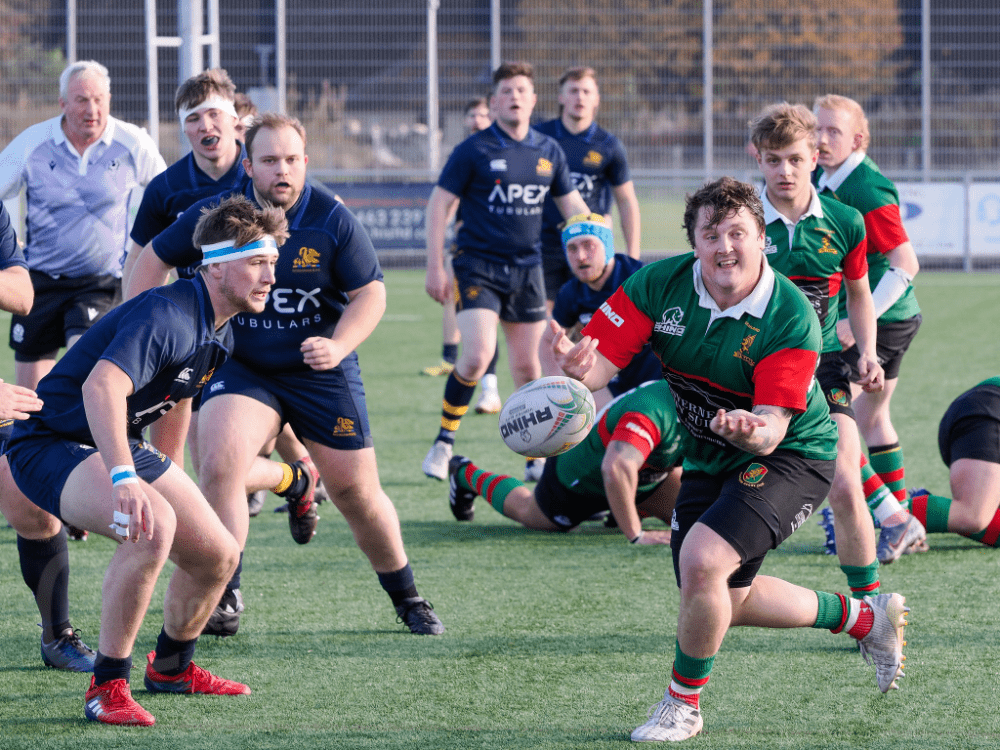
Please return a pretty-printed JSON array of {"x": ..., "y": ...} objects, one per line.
[{"x": 553, "y": 641}]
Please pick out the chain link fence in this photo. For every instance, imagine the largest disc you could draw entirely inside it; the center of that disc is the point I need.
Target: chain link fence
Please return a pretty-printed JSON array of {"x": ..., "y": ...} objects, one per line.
[{"x": 357, "y": 74}]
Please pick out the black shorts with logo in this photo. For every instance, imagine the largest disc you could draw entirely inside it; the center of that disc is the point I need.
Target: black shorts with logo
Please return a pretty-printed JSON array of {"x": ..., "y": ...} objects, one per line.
[
  {"x": 568, "y": 509},
  {"x": 970, "y": 427},
  {"x": 755, "y": 507},
  {"x": 515, "y": 293},
  {"x": 891, "y": 342},
  {"x": 834, "y": 378},
  {"x": 63, "y": 308}
]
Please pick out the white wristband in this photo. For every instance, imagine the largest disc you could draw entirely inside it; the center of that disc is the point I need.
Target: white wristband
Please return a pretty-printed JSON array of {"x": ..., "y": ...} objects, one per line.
[{"x": 124, "y": 474}]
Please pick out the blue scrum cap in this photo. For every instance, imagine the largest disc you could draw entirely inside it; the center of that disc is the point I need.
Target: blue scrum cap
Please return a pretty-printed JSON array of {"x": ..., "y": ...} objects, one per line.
[{"x": 592, "y": 224}]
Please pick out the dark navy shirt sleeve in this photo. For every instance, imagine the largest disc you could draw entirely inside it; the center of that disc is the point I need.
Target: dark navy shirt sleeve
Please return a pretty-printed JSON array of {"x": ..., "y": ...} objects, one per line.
[
  {"x": 355, "y": 263},
  {"x": 618, "y": 172},
  {"x": 173, "y": 245},
  {"x": 562, "y": 183},
  {"x": 564, "y": 311},
  {"x": 459, "y": 168},
  {"x": 155, "y": 335},
  {"x": 150, "y": 219},
  {"x": 10, "y": 252}
]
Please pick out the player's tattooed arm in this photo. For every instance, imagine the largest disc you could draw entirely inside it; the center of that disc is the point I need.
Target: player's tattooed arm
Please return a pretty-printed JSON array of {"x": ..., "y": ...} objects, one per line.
[{"x": 758, "y": 432}]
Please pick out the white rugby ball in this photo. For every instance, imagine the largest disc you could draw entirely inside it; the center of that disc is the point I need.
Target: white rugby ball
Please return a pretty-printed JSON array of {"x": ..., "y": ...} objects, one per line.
[{"x": 547, "y": 416}]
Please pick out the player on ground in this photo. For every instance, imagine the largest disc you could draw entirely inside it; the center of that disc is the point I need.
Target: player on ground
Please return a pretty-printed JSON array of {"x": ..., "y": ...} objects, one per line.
[
  {"x": 820, "y": 245},
  {"x": 82, "y": 457},
  {"x": 969, "y": 441},
  {"x": 852, "y": 177},
  {"x": 296, "y": 363},
  {"x": 78, "y": 171},
  {"x": 477, "y": 118},
  {"x": 739, "y": 345},
  {"x": 597, "y": 271},
  {"x": 629, "y": 464},
  {"x": 502, "y": 176},
  {"x": 600, "y": 172}
]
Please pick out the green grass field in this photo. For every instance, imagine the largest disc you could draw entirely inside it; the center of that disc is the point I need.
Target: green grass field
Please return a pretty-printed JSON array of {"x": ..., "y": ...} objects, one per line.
[{"x": 553, "y": 641}]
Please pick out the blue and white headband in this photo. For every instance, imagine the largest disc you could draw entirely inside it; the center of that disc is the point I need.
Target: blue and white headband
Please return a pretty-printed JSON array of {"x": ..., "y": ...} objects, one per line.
[
  {"x": 222, "y": 252},
  {"x": 592, "y": 224}
]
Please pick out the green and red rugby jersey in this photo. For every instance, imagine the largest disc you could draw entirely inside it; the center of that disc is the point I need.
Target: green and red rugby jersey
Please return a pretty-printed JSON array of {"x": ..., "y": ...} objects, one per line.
[
  {"x": 762, "y": 351},
  {"x": 824, "y": 245},
  {"x": 859, "y": 183},
  {"x": 643, "y": 417}
]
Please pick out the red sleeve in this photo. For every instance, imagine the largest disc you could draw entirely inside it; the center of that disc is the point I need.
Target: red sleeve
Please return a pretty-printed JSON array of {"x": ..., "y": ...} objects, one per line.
[
  {"x": 856, "y": 262},
  {"x": 783, "y": 379},
  {"x": 620, "y": 328},
  {"x": 636, "y": 429},
  {"x": 885, "y": 229}
]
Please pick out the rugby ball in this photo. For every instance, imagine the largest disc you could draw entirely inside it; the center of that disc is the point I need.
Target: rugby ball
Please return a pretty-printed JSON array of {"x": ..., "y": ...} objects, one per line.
[{"x": 547, "y": 416}]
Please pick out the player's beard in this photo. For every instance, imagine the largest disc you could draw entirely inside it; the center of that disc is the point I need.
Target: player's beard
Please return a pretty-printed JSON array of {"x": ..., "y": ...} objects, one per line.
[{"x": 284, "y": 203}]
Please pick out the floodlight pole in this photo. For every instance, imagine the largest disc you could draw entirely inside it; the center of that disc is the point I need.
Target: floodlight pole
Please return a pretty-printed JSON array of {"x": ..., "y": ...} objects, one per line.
[
  {"x": 433, "y": 105},
  {"x": 925, "y": 88},
  {"x": 708, "y": 83}
]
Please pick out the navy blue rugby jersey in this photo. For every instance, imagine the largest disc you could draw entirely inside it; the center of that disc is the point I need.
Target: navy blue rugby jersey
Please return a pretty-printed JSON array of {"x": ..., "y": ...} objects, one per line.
[
  {"x": 502, "y": 185},
  {"x": 10, "y": 255},
  {"x": 327, "y": 254},
  {"x": 576, "y": 301},
  {"x": 174, "y": 191},
  {"x": 597, "y": 162},
  {"x": 164, "y": 339}
]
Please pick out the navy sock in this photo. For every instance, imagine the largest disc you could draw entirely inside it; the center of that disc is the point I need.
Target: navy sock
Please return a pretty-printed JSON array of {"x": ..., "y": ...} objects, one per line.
[
  {"x": 491, "y": 369},
  {"x": 107, "y": 668},
  {"x": 399, "y": 585},
  {"x": 172, "y": 657},
  {"x": 45, "y": 569},
  {"x": 449, "y": 353},
  {"x": 234, "y": 582}
]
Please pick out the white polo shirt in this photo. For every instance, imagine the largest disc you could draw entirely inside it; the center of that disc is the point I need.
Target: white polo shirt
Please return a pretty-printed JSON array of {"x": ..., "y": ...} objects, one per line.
[{"x": 77, "y": 204}]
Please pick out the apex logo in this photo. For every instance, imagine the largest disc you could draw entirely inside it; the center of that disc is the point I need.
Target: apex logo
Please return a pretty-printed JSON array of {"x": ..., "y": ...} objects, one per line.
[{"x": 528, "y": 194}]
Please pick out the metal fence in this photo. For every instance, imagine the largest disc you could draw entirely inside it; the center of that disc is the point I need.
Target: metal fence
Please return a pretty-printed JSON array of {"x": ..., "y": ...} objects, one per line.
[{"x": 927, "y": 72}]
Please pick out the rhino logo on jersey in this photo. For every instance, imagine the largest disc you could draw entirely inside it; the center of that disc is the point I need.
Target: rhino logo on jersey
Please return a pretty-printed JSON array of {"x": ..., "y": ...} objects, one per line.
[{"x": 670, "y": 322}]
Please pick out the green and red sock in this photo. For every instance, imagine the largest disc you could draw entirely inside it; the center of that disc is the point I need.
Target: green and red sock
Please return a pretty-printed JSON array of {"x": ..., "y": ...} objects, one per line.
[
  {"x": 689, "y": 677},
  {"x": 887, "y": 461},
  {"x": 494, "y": 488},
  {"x": 933, "y": 511}
]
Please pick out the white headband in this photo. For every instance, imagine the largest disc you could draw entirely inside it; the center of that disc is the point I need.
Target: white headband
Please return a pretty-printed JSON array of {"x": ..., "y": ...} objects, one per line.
[
  {"x": 213, "y": 102},
  {"x": 222, "y": 252}
]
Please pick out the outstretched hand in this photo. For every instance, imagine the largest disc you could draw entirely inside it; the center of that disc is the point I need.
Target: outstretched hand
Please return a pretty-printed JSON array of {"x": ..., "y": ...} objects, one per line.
[{"x": 576, "y": 360}]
